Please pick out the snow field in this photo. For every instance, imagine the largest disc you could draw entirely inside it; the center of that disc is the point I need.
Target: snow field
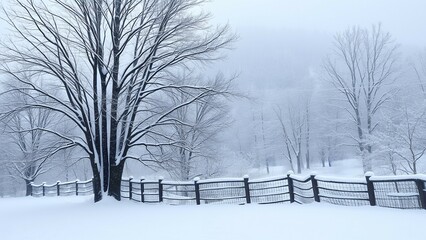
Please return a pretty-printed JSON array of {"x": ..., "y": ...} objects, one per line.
[{"x": 72, "y": 218}]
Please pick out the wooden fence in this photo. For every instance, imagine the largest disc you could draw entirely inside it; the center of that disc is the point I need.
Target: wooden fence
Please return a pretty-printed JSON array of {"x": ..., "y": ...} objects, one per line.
[
  {"x": 405, "y": 192},
  {"x": 77, "y": 188}
]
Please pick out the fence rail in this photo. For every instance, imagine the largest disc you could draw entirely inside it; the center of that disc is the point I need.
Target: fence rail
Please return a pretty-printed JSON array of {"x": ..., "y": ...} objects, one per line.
[
  {"x": 406, "y": 192},
  {"x": 78, "y": 188}
]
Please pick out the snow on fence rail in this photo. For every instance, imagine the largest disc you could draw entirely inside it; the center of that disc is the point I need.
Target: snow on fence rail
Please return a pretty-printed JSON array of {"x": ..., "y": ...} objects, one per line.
[
  {"x": 406, "y": 192},
  {"x": 78, "y": 188}
]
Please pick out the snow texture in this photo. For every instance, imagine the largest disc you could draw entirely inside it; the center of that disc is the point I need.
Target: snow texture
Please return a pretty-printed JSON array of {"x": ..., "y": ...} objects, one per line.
[
  {"x": 71, "y": 218},
  {"x": 340, "y": 179},
  {"x": 301, "y": 178},
  {"x": 267, "y": 179},
  {"x": 402, "y": 194},
  {"x": 399, "y": 177},
  {"x": 213, "y": 180},
  {"x": 178, "y": 183}
]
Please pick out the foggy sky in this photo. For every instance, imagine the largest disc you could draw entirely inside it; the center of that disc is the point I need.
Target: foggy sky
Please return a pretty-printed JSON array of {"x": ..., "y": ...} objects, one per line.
[
  {"x": 405, "y": 19},
  {"x": 281, "y": 42}
]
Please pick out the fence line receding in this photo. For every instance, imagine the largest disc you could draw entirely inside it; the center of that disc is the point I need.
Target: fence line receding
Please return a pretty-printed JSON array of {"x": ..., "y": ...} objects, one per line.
[{"x": 406, "y": 192}]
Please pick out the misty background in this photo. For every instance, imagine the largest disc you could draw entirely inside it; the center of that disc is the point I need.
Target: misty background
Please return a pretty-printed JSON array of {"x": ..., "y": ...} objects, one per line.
[
  {"x": 279, "y": 60},
  {"x": 281, "y": 49}
]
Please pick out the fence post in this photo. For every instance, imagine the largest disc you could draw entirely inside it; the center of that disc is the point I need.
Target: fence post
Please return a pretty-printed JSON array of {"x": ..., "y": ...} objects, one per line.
[
  {"x": 197, "y": 190},
  {"x": 130, "y": 188},
  {"x": 370, "y": 188},
  {"x": 142, "y": 190},
  {"x": 44, "y": 190},
  {"x": 160, "y": 189},
  {"x": 76, "y": 187},
  {"x": 247, "y": 189},
  {"x": 290, "y": 186},
  {"x": 421, "y": 188},
  {"x": 315, "y": 188},
  {"x": 58, "y": 189}
]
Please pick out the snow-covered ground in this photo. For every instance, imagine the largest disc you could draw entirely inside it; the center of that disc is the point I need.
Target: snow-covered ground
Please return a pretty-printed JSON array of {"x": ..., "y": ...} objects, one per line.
[
  {"x": 77, "y": 218},
  {"x": 341, "y": 168}
]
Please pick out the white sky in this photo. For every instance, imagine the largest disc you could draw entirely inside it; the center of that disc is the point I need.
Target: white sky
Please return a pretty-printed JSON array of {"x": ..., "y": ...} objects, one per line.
[
  {"x": 282, "y": 39},
  {"x": 405, "y": 19},
  {"x": 283, "y": 43}
]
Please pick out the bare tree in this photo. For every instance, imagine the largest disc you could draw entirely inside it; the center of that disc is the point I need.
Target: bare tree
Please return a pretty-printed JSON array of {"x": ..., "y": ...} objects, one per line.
[
  {"x": 323, "y": 156},
  {"x": 108, "y": 58},
  {"x": 330, "y": 131},
  {"x": 403, "y": 139},
  {"x": 292, "y": 129},
  {"x": 29, "y": 155},
  {"x": 196, "y": 130},
  {"x": 419, "y": 67},
  {"x": 264, "y": 151},
  {"x": 256, "y": 144},
  {"x": 363, "y": 63},
  {"x": 308, "y": 134}
]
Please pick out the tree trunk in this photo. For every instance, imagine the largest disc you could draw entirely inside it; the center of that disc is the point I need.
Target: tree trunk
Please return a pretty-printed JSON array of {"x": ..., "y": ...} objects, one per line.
[
  {"x": 366, "y": 161},
  {"x": 329, "y": 152},
  {"x": 308, "y": 161},
  {"x": 116, "y": 174},
  {"x": 414, "y": 167},
  {"x": 28, "y": 187},
  {"x": 299, "y": 164},
  {"x": 264, "y": 145},
  {"x": 96, "y": 183},
  {"x": 363, "y": 146},
  {"x": 290, "y": 159},
  {"x": 322, "y": 153},
  {"x": 267, "y": 166},
  {"x": 308, "y": 132}
]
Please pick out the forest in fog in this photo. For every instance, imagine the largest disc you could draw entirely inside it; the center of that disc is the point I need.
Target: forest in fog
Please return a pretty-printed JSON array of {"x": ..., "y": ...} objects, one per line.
[{"x": 181, "y": 90}]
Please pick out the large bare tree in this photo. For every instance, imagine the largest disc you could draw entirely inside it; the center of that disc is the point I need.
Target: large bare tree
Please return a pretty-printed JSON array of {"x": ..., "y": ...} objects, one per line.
[
  {"x": 364, "y": 62},
  {"x": 108, "y": 59}
]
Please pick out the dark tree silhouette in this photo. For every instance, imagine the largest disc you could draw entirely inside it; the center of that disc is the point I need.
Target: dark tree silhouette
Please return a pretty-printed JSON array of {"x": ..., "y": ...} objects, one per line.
[{"x": 107, "y": 60}]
